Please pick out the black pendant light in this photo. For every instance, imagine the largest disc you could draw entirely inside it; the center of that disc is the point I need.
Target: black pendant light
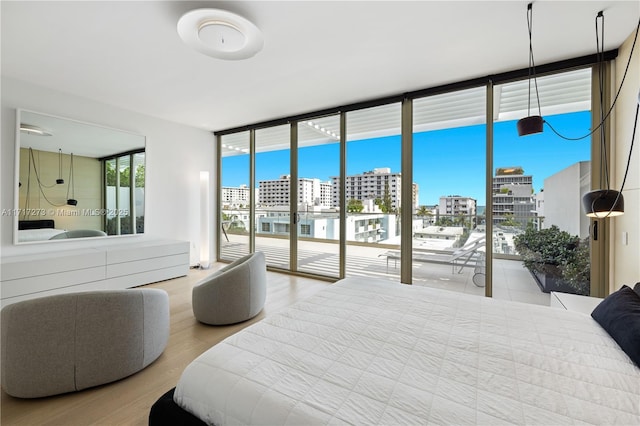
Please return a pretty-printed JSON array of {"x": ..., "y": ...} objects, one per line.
[
  {"x": 59, "y": 181},
  {"x": 71, "y": 201},
  {"x": 603, "y": 203},
  {"x": 531, "y": 124}
]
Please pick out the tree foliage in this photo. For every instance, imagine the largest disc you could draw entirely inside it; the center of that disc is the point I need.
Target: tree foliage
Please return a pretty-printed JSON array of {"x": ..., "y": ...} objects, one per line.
[
  {"x": 354, "y": 206},
  {"x": 550, "y": 250},
  {"x": 423, "y": 211},
  {"x": 385, "y": 203},
  {"x": 125, "y": 175}
]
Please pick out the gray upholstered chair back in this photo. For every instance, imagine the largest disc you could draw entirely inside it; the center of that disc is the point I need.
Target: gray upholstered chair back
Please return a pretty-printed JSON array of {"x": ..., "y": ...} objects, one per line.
[
  {"x": 232, "y": 294},
  {"x": 79, "y": 233},
  {"x": 69, "y": 342}
]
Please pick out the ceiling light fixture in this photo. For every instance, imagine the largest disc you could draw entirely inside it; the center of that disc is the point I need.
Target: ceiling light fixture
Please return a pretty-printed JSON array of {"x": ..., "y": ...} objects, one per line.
[
  {"x": 531, "y": 123},
  {"x": 220, "y": 34},
  {"x": 603, "y": 203},
  {"x": 71, "y": 201},
  {"x": 322, "y": 130},
  {"x": 34, "y": 130},
  {"x": 59, "y": 181}
]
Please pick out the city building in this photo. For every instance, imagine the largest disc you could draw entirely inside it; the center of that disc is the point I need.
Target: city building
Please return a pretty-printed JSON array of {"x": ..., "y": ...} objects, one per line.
[
  {"x": 378, "y": 184},
  {"x": 311, "y": 191},
  {"x": 362, "y": 228},
  {"x": 235, "y": 196},
  {"x": 512, "y": 196},
  {"x": 563, "y": 193},
  {"x": 456, "y": 205}
]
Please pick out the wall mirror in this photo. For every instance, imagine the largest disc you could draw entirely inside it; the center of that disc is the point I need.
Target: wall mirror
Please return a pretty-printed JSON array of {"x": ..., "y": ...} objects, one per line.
[{"x": 76, "y": 180}]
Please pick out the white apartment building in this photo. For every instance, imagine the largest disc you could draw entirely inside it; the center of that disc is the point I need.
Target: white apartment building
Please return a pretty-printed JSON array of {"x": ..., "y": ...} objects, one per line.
[
  {"x": 235, "y": 196},
  {"x": 363, "y": 228},
  {"x": 369, "y": 186},
  {"x": 311, "y": 191},
  {"x": 456, "y": 205}
]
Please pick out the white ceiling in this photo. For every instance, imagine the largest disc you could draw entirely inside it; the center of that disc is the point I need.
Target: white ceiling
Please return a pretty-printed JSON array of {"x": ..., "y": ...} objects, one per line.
[
  {"x": 316, "y": 55},
  {"x": 87, "y": 140}
]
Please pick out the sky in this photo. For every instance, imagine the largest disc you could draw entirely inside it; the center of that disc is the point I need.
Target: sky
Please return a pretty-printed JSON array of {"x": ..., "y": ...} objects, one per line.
[{"x": 446, "y": 162}]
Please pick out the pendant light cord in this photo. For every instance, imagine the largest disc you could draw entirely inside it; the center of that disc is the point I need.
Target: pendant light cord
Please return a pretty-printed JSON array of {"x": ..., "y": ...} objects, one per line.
[
  {"x": 626, "y": 171},
  {"x": 41, "y": 186},
  {"x": 59, "y": 164},
  {"x": 604, "y": 163},
  {"x": 615, "y": 99},
  {"x": 71, "y": 181},
  {"x": 633, "y": 136},
  {"x": 532, "y": 63}
]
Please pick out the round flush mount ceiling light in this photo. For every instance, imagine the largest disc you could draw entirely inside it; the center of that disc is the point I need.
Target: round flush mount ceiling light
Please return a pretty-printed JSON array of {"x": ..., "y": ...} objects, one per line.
[{"x": 220, "y": 34}]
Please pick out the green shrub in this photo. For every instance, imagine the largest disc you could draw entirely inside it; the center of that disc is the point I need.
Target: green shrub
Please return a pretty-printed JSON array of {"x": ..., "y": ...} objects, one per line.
[{"x": 552, "y": 251}]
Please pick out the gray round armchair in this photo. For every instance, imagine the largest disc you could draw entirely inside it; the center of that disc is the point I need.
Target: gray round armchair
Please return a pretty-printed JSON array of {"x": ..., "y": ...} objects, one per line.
[
  {"x": 70, "y": 342},
  {"x": 232, "y": 294}
]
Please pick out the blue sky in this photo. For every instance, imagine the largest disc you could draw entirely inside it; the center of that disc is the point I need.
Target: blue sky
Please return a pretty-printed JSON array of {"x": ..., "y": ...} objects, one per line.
[{"x": 449, "y": 161}]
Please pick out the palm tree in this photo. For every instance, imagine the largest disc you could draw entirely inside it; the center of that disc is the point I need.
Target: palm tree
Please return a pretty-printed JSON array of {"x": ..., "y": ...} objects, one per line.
[{"x": 423, "y": 211}]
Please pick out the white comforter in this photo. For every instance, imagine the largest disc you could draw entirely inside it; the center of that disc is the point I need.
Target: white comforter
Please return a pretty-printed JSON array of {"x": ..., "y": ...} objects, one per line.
[
  {"x": 365, "y": 351},
  {"x": 27, "y": 235}
]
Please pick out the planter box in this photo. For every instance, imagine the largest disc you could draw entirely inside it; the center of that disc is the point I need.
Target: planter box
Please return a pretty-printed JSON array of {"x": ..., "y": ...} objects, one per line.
[{"x": 552, "y": 281}]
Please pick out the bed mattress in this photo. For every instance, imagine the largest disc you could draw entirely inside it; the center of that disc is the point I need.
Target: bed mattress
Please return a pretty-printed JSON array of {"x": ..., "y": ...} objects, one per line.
[
  {"x": 370, "y": 351},
  {"x": 28, "y": 235}
]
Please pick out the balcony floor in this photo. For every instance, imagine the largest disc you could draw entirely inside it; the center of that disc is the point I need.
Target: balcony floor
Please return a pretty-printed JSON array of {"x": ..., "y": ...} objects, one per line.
[{"x": 511, "y": 281}]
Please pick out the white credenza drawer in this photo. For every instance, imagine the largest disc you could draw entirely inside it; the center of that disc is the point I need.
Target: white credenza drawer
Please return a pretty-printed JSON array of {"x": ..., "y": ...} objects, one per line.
[{"x": 95, "y": 268}]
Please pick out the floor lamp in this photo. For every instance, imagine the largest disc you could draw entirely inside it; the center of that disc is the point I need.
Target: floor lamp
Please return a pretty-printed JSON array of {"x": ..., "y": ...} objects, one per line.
[{"x": 205, "y": 222}]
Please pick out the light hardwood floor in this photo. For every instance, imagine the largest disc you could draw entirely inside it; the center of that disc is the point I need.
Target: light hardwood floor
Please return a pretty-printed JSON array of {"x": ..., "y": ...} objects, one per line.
[{"x": 127, "y": 402}]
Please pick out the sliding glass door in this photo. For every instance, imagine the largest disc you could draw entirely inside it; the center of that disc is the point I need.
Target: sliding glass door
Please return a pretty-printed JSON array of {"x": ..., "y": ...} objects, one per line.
[
  {"x": 373, "y": 186},
  {"x": 479, "y": 196},
  {"x": 124, "y": 186},
  {"x": 449, "y": 165},
  {"x": 272, "y": 216},
  {"x": 538, "y": 183},
  {"x": 317, "y": 212},
  {"x": 235, "y": 221}
]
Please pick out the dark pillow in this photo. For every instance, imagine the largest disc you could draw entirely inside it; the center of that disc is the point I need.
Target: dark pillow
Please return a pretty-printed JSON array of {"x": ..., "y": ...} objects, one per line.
[
  {"x": 636, "y": 288},
  {"x": 619, "y": 315}
]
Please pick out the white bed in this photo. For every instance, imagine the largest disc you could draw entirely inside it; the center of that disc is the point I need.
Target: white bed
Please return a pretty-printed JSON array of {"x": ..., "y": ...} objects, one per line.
[
  {"x": 369, "y": 351},
  {"x": 28, "y": 235}
]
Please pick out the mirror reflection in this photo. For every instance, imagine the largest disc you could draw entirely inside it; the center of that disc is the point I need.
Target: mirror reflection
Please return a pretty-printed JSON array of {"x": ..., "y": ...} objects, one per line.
[{"x": 77, "y": 180}]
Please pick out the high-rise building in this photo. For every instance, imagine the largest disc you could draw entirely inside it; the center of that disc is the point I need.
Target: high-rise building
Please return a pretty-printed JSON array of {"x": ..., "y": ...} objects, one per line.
[
  {"x": 378, "y": 183},
  {"x": 311, "y": 191},
  {"x": 512, "y": 196}
]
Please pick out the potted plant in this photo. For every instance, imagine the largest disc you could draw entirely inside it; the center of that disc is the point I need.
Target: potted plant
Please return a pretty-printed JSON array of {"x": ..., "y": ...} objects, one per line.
[
  {"x": 557, "y": 260},
  {"x": 576, "y": 269}
]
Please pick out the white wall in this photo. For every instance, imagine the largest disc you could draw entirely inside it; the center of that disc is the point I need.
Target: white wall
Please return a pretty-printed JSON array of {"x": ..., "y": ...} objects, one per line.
[
  {"x": 625, "y": 267},
  {"x": 563, "y": 193},
  {"x": 175, "y": 155}
]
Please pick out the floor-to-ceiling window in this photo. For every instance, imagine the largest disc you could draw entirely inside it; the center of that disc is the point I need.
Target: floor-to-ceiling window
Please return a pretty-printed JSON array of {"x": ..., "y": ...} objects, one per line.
[
  {"x": 124, "y": 178},
  {"x": 449, "y": 164},
  {"x": 235, "y": 222},
  {"x": 317, "y": 213},
  {"x": 538, "y": 183},
  {"x": 273, "y": 185},
  {"x": 373, "y": 185},
  {"x": 466, "y": 221}
]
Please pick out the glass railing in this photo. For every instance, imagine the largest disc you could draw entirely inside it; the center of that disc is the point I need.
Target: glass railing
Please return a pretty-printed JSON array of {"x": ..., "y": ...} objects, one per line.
[{"x": 442, "y": 231}]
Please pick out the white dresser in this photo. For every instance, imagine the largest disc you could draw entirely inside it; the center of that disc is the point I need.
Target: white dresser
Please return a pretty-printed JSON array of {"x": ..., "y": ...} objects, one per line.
[{"x": 96, "y": 268}]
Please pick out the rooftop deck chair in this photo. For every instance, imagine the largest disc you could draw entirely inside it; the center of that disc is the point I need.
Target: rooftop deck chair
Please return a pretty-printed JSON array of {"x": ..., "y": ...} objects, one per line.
[{"x": 470, "y": 255}]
